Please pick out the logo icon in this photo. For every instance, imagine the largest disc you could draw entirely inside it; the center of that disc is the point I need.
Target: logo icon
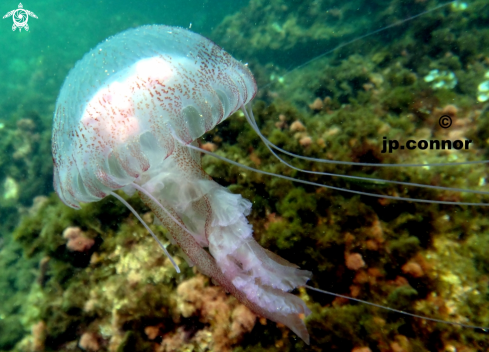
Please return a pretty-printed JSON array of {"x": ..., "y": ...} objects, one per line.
[
  {"x": 445, "y": 121},
  {"x": 20, "y": 17}
]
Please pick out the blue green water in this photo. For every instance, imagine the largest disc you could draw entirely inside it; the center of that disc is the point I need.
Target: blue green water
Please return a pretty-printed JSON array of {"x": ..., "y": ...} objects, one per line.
[{"x": 423, "y": 258}]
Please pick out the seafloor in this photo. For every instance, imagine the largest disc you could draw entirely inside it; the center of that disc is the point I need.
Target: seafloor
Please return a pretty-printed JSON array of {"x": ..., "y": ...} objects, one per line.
[{"x": 94, "y": 280}]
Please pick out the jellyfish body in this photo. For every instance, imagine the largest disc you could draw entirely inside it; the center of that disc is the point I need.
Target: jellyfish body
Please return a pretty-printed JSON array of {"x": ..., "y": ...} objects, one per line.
[{"x": 124, "y": 118}]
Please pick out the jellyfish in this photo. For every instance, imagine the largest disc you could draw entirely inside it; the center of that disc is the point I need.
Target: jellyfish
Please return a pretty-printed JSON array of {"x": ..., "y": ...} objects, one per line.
[{"x": 126, "y": 118}]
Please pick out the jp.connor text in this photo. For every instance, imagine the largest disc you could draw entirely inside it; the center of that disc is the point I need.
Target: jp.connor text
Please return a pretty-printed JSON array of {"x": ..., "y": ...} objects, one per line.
[{"x": 393, "y": 144}]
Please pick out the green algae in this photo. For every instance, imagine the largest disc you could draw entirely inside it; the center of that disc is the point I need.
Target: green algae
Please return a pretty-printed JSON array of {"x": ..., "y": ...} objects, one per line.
[{"x": 15, "y": 283}]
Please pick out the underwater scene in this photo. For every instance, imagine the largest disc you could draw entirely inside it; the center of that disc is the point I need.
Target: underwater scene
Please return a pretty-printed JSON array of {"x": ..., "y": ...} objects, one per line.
[{"x": 245, "y": 175}]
